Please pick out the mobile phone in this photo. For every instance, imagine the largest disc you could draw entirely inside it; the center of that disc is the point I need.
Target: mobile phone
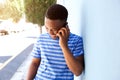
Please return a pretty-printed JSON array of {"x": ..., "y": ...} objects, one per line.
[{"x": 65, "y": 24}]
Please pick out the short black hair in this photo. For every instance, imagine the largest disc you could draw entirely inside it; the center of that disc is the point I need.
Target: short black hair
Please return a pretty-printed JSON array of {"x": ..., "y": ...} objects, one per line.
[{"x": 57, "y": 11}]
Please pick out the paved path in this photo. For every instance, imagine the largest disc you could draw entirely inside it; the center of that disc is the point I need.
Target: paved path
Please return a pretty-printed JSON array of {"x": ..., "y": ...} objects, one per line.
[
  {"x": 14, "y": 52},
  {"x": 21, "y": 72}
]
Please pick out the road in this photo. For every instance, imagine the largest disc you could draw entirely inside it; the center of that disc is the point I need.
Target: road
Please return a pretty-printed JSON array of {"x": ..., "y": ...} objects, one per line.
[{"x": 14, "y": 49}]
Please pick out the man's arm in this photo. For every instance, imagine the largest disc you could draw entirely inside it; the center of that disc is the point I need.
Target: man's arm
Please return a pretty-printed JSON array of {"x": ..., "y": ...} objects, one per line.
[
  {"x": 76, "y": 65},
  {"x": 33, "y": 68}
]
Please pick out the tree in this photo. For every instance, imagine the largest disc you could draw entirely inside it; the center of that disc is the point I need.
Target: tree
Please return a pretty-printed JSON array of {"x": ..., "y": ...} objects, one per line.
[
  {"x": 35, "y": 10},
  {"x": 13, "y": 9}
]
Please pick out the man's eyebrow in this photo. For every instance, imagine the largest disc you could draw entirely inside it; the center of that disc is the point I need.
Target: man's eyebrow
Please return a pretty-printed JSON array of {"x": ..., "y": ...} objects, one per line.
[
  {"x": 52, "y": 28},
  {"x": 45, "y": 26}
]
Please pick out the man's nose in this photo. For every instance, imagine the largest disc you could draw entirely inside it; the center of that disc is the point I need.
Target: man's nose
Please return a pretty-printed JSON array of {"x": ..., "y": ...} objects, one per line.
[{"x": 51, "y": 32}]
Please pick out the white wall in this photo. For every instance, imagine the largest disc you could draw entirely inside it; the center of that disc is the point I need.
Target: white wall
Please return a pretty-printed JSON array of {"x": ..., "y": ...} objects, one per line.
[
  {"x": 100, "y": 29},
  {"x": 101, "y": 33}
]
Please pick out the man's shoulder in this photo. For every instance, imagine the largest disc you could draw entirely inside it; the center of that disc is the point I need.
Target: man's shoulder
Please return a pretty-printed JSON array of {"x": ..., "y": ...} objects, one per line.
[
  {"x": 75, "y": 36},
  {"x": 43, "y": 35}
]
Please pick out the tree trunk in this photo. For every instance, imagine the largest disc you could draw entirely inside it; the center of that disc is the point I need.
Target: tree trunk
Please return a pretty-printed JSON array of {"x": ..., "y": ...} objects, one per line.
[{"x": 40, "y": 28}]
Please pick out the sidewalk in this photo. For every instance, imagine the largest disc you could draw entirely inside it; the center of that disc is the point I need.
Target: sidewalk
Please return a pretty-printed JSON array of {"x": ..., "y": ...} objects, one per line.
[
  {"x": 18, "y": 47},
  {"x": 20, "y": 74}
]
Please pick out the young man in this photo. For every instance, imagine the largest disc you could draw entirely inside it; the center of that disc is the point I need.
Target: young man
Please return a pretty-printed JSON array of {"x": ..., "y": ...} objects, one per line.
[{"x": 58, "y": 54}]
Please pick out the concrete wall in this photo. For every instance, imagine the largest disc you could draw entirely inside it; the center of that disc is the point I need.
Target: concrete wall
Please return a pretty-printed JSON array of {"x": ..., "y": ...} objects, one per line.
[
  {"x": 98, "y": 22},
  {"x": 101, "y": 32}
]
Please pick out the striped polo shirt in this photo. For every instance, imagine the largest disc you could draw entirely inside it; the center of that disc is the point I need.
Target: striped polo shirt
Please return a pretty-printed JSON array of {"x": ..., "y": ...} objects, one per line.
[{"x": 53, "y": 65}]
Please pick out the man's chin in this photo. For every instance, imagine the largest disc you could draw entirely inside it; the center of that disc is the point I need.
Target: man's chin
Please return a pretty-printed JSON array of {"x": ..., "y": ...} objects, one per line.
[{"x": 53, "y": 36}]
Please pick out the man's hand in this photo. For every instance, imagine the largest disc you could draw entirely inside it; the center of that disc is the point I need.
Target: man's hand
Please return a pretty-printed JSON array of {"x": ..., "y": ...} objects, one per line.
[{"x": 63, "y": 35}]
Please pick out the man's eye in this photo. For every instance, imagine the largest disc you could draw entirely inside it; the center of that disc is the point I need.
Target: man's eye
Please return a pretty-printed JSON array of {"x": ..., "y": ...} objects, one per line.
[
  {"x": 54, "y": 29},
  {"x": 46, "y": 28}
]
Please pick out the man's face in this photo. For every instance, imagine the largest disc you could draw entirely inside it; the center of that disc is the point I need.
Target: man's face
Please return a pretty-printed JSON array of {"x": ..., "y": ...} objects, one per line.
[{"x": 53, "y": 26}]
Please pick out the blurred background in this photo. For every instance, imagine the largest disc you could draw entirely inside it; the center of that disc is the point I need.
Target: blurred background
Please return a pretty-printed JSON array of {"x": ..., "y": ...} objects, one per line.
[
  {"x": 21, "y": 21},
  {"x": 16, "y": 14}
]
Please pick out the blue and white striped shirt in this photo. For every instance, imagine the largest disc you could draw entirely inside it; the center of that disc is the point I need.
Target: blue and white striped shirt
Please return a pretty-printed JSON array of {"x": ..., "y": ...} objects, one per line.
[{"x": 53, "y": 65}]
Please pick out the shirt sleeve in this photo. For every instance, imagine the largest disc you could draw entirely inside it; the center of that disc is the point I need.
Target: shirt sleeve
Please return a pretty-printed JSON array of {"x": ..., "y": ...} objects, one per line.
[
  {"x": 36, "y": 52},
  {"x": 79, "y": 50}
]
